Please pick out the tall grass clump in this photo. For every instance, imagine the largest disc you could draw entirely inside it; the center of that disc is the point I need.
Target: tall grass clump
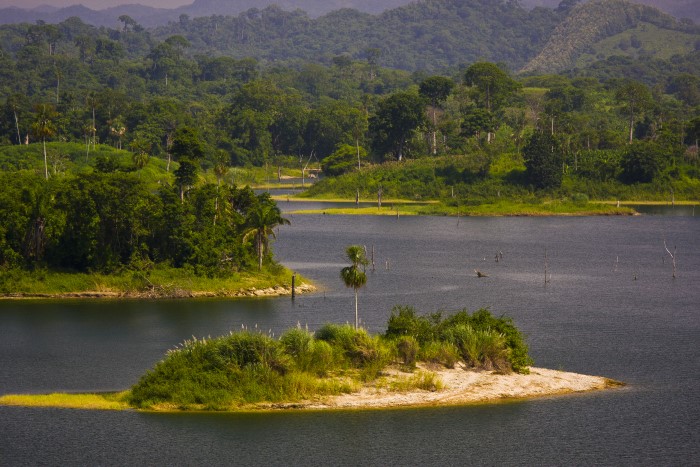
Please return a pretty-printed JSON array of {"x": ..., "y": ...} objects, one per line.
[
  {"x": 480, "y": 348},
  {"x": 307, "y": 353},
  {"x": 480, "y": 339},
  {"x": 355, "y": 346}
]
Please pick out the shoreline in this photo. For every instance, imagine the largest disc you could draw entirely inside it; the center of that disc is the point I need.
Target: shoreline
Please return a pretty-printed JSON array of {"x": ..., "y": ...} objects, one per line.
[
  {"x": 460, "y": 387},
  {"x": 276, "y": 291}
]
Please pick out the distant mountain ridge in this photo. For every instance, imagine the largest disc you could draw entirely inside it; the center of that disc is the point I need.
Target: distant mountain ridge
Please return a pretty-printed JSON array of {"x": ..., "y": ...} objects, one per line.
[
  {"x": 151, "y": 17},
  {"x": 427, "y": 36}
]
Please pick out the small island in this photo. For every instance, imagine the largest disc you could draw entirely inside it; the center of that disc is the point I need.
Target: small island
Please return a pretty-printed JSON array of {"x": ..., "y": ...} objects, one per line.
[{"x": 418, "y": 361}]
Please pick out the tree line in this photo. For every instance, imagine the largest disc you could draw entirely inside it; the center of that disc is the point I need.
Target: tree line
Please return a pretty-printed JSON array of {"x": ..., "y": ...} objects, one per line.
[{"x": 114, "y": 221}]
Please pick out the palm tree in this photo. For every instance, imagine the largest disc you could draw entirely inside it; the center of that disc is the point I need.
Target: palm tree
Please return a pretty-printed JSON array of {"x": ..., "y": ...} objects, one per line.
[
  {"x": 140, "y": 148},
  {"x": 44, "y": 127},
  {"x": 262, "y": 221},
  {"x": 352, "y": 275}
]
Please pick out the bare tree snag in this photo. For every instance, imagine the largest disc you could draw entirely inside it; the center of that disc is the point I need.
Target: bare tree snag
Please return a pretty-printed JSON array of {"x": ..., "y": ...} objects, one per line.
[{"x": 673, "y": 257}]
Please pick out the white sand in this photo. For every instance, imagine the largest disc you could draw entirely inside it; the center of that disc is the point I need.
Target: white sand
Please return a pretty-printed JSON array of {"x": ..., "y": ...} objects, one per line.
[{"x": 462, "y": 387}]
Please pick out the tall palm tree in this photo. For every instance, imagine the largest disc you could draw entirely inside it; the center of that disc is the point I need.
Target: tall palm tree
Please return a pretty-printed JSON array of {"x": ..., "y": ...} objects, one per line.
[
  {"x": 44, "y": 127},
  {"x": 352, "y": 275},
  {"x": 261, "y": 223}
]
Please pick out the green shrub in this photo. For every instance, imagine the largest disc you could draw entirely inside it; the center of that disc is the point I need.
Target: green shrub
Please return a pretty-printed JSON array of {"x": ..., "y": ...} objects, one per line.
[
  {"x": 407, "y": 347},
  {"x": 440, "y": 352},
  {"x": 321, "y": 357},
  {"x": 579, "y": 199},
  {"x": 356, "y": 346},
  {"x": 405, "y": 322},
  {"x": 298, "y": 344}
]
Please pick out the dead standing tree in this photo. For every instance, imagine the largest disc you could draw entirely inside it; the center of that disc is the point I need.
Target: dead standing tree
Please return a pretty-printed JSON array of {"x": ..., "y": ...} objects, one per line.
[{"x": 673, "y": 257}]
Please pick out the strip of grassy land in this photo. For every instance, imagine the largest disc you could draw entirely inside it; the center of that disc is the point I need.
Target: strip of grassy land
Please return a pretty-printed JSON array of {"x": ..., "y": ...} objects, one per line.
[
  {"x": 101, "y": 401},
  {"x": 160, "y": 282},
  {"x": 651, "y": 203},
  {"x": 503, "y": 208}
]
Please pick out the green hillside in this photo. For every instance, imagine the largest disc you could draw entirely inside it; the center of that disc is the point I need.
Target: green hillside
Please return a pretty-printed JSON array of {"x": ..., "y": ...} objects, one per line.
[
  {"x": 642, "y": 41},
  {"x": 590, "y": 23}
]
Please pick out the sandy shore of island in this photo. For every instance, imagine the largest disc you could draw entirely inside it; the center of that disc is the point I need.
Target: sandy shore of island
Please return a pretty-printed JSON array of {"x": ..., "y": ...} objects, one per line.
[{"x": 461, "y": 387}]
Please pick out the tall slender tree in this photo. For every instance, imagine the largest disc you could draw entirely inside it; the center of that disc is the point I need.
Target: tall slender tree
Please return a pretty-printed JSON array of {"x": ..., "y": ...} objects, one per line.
[
  {"x": 354, "y": 275},
  {"x": 435, "y": 89},
  {"x": 635, "y": 98},
  {"x": 261, "y": 223},
  {"x": 44, "y": 127}
]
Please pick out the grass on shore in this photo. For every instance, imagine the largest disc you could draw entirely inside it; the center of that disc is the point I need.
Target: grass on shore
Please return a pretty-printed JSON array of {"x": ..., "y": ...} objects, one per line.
[
  {"x": 158, "y": 282},
  {"x": 503, "y": 208},
  {"x": 100, "y": 401}
]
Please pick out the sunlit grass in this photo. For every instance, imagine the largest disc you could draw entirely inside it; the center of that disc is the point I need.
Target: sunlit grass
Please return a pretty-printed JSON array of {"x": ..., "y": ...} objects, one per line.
[
  {"x": 160, "y": 281},
  {"x": 364, "y": 211},
  {"x": 103, "y": 401},
  {"x": 503, "y": 208}
]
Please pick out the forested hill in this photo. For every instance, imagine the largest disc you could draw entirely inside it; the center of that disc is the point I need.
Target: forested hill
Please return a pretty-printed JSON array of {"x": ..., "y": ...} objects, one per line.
[
  {"x": 437, "y": 35},
  {"x": 592, "y": 22},
  {"x": 428, "y": 35}
]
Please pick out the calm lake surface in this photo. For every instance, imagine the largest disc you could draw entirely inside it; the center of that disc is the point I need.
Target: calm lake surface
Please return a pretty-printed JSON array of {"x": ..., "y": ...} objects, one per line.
[{"x": 592, "y": 317}]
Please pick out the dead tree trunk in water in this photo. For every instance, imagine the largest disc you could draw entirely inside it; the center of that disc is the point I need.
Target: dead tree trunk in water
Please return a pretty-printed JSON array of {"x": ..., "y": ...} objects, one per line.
[{"x": 673, "y": 257}]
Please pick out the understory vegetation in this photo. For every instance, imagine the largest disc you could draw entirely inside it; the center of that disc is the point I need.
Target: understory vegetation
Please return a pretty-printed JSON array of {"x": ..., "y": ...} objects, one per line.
[{"x": 250, "y": 367}]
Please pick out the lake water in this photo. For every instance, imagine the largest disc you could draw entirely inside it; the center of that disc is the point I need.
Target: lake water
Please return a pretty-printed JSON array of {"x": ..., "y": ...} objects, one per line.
[{"x": 611, "y": 308}]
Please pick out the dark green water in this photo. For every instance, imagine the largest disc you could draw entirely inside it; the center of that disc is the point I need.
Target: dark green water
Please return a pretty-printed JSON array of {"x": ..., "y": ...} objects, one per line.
[{"x": 593, "y": 317}]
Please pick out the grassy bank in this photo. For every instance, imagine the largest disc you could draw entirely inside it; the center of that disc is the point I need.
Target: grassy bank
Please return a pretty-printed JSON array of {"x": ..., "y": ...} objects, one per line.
[
  {"x": 501, "y": 208},
  {"x": 501, "y": 187},
  {"x": 160, "y": 282}
]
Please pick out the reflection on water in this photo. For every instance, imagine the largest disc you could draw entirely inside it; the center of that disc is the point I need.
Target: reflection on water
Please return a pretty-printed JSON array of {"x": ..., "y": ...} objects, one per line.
[
  {"x": 593, "y": 317},
  {"x": 666, "y": 210}
]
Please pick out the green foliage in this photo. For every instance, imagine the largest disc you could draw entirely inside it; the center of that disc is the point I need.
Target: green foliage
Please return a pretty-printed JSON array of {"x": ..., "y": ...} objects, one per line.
[
  {"x": 480, "y": 348},
  {"x": 405, "y": 322},
  {"x": 344, "y": 159},
  {"x": 245, "y": 367},
  {"x": 492, "y": 330},
  {"x": 492, "y": 86},
  {"x": 439, "y": 352},
  {"x": 110, "y": 221},
  {"x": 543, "y": 160},
  {"x": 176, "y": 94},
  {"x": 482, "y": 340},
  {"x": 640, "y": 163},
  {"x": 354, "y": 347},
  {"x": 396, "y": 118},
  {"x": 407, "y": 348}
]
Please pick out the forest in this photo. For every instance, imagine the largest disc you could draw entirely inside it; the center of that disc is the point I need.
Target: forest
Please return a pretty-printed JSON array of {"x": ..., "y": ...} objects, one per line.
[{"x": 122, "y": 147}]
